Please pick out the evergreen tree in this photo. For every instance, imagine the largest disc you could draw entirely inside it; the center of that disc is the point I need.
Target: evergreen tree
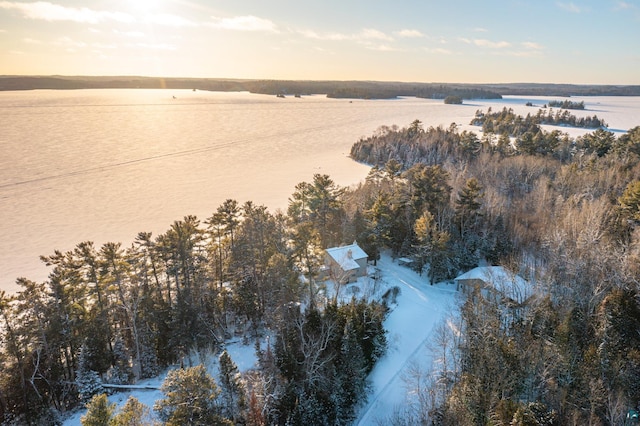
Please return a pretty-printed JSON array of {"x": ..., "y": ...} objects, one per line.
[
  {"x": 431, "y": 247},
  {"x": 629, "y": 202},
  {"x": 232, "y": 390},
  {"x": 190, "y": 399},
  {"x": 133, "y": 413},
  {"x": 120, "y": 373},
  {"x": 87, "y": 380},
  {"x": 351, "y": 376},
  {"x": 99, "y": 412},
  {"x": 468, "y": 205}
]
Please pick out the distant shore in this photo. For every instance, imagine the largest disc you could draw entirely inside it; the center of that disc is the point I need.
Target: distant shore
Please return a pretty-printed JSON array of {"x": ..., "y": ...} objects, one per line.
[{"x": 337, "y": 89}]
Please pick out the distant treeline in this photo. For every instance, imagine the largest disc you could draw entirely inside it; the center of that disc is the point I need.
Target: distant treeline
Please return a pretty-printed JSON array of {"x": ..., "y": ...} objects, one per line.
[
  {"x": 335, "y": 89},
  {"x": 507, "y": 122},
  {"x": 567, "y": 104}
]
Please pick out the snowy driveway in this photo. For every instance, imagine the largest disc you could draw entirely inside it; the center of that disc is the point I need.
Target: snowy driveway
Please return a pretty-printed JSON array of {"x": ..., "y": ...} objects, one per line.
[{"x": 419, "y": 308}]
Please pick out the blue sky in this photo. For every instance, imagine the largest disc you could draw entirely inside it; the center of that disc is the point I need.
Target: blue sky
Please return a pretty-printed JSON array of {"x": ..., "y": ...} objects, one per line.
[{"x": 403, "y": 40}]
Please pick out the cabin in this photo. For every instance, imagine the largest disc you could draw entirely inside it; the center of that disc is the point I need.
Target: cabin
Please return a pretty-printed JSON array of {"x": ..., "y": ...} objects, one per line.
[
  {"x": 494, "y": 281},
  {"x": 346, "y": 263}
]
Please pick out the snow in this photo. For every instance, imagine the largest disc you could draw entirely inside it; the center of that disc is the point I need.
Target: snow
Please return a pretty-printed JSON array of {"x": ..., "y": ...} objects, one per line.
[
  {"x": 418, "y": 307},
  {"x": 148, "y": 391},
  {"x": 505, "y": 282},
  {"x": 346, "y": 256}
]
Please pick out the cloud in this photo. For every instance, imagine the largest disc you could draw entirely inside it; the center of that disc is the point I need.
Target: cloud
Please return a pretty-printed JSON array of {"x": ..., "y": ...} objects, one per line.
[
  {"x": 491, "y": 44},
  {"x": 622, "y": 5},
  {"x": 380, "y": 47},
  {"x": 570, "y": 7},
  {"x": 46, "y": 11},
  {"x": 133, "y": 34},
  {"x": 170, "y": 20},
  {"x": 31, "y": 41},
  {"x": 327, "y": 36},
  {"x": 245, "y": 23},
  {"x": 532, "y": 45},
  {"x": 480, "y": 30},
  {"x": 153, "y": 46},
  {"x": 372, "y": 34},
  {"x": 409, "y": 33},
  {"x": 439, "y": 50},
  {"x": 366, "y": 35},
  {"x": 68, "y": 42}
]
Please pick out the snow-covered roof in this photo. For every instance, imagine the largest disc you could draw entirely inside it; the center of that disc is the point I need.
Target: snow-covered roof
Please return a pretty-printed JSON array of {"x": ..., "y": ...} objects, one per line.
[
  {"x": 503, "y": 281},
  {"x": 346, "y": 256}
]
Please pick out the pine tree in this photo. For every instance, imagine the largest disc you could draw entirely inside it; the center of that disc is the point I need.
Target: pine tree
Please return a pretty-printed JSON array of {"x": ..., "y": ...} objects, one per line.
[
  {"x": 99, "y": 412},
  {"x": 88, "y": 381},
  {"x": 468, "y": 205},
  {"x": 134, "y": 413},
  {"x": 351, "y": 376},
  {"x": 232, "y": 390},
  {"x": 121, "y": 372},
  {"x": 629, "y": 202},
  {"x": 190, "y": 399}
]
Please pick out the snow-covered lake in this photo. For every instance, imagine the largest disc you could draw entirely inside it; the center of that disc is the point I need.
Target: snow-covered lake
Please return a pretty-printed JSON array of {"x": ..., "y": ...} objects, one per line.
[{"x": 103, "y": 165}]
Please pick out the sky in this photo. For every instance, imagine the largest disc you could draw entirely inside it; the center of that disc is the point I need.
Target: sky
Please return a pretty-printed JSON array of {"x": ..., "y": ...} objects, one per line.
[{"x": 467, "y": 41}]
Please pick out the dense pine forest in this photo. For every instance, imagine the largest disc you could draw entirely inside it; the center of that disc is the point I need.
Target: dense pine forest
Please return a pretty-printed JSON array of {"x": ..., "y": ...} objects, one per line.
[{"x": 562, "y": 212}]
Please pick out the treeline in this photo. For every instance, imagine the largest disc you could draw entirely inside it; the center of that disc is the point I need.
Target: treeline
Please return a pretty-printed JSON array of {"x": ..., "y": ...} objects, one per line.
[
  {"x": 568, "y": 221},
  {"x": 274, "y": 87},
  {"x": 567, "y": 104},
  {"x": 115, "y": 314},
  {"x": 511, "y": 124},
  {"x": 429, "y": 91}
]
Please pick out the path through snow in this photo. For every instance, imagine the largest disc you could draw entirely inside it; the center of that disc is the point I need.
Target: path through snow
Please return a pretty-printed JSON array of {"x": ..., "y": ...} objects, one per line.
[{"x": 419, "y": 308}]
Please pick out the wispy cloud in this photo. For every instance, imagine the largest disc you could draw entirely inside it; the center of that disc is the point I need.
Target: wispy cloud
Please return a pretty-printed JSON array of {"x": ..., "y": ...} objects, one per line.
[
  {"x": 326, "y": 36},
  {"x": 367, "y": 34},
  {"x": 480, "y": 30},
  {"x": 46, "y": 11},
  {"x": 532, "y": 45},
  {"x": 245, "y": 23},
  {"x": 570, "y": 7},
  {"x": 153, "y": 46},
  {"x": 491, "y": 44},
  {"x": 438, "y": 50},
  {"x": 32, "y": 41},
  {"x": 409, "y": 33},
  {"x": 68, "y": 42},
  {"x": 170, "y": 20},
  {"x": 373, "y": 34},
  {"x": 133, "y": 34},
  {"x": 380, "y": 47},
  {"x": 623, "y": 5}
]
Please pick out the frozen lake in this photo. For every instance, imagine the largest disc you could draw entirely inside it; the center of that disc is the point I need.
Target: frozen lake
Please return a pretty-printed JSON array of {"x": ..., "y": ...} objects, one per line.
[{"x": 103, "y": 165}]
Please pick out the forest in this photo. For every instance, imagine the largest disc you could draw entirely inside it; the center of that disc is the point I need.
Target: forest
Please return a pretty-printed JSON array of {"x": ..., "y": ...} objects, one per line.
[
  {"x": 338, "y": 89},
  {"x": 567, "y": 104},
  {"x": 565, "y": 217},
  {"x": 561, "y": 212}
]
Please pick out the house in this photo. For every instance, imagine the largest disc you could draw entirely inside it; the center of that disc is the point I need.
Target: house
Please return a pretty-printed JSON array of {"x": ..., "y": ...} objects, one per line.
[
  {"x": 346, "y": 263},
  {"x": 496, "y": 281}
]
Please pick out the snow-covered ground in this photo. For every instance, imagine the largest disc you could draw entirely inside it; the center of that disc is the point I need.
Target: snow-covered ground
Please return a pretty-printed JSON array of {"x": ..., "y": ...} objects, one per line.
[{"x": 417, "y": 309}]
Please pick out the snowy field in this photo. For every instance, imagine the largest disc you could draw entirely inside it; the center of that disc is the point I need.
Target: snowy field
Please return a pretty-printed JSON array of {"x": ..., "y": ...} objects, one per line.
[{"x": 417, "y": 309}]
